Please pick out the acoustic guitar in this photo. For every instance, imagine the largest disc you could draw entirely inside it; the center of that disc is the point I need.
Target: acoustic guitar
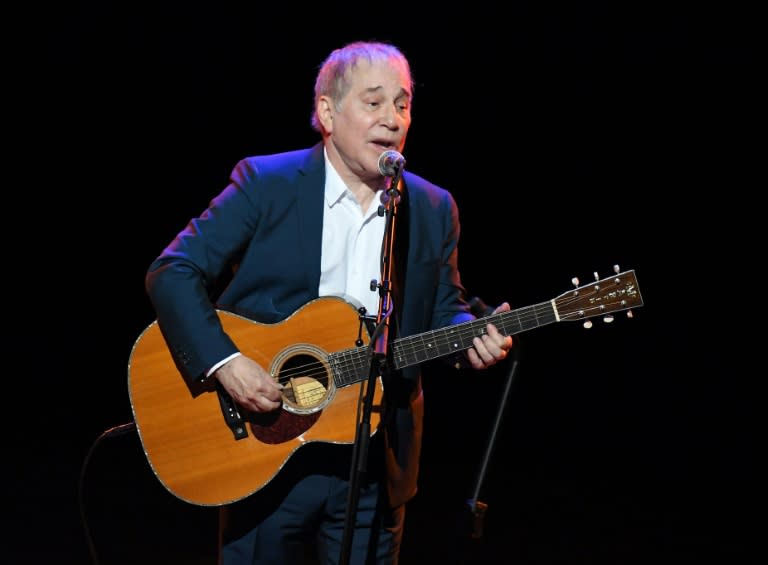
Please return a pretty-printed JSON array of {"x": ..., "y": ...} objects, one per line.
[{"x": 206, "y": 451}]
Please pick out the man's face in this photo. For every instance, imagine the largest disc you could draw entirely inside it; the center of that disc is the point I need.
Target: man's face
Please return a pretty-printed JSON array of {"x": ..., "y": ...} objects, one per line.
[{"x": 373, "y": 116}]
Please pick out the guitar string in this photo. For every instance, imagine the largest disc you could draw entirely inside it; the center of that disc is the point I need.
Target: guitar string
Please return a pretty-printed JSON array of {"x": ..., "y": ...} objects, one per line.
[
  {"x": 458, "y": 338},
  {"x": 440, "y": 338}
]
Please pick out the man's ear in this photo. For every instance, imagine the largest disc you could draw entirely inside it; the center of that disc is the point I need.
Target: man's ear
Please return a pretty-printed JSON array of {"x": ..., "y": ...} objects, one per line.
[{"x": 325, "y": 111}]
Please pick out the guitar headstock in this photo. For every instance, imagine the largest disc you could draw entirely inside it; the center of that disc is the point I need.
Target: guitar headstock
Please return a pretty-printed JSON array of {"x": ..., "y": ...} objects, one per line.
[{"x": 600, "y": 298}]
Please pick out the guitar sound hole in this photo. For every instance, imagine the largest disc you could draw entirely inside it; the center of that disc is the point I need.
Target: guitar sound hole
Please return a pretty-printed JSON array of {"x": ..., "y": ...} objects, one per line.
[{"x": 305, "y": 382}]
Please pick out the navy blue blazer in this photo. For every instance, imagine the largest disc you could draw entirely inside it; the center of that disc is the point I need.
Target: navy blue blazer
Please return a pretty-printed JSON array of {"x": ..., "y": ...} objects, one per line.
[{"x": 262, "y": 236}]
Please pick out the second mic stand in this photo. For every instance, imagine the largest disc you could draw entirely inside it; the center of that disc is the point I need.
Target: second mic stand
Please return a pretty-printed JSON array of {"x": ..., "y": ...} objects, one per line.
[
  {"x": 378, "y": 347},
  {"x": 477, "y": 508}
]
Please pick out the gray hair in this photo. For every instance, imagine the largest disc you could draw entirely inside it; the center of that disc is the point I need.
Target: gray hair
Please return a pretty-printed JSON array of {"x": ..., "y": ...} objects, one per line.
[{"x": 333, "y": 78}]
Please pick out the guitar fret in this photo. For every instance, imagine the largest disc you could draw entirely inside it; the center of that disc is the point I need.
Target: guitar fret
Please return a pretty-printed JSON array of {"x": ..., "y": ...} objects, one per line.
[
  {"x": 346, "y": 373},
  {"x": 335, "y": 368},
  {"x": 338, "y": 369},
  {"x": 350, "y": 366},
  {"x": 361, "y": 364}
]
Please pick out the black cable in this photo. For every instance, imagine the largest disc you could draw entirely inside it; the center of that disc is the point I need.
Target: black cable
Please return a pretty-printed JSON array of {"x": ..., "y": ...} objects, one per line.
[{"x": 112, "y": 432}]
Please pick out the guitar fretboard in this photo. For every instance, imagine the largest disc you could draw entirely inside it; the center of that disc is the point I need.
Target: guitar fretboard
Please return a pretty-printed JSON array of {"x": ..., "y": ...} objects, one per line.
[
  {"x": 352, "y": 365},
  {"x": 612, "y": 294},
  {"x": 446, "y": 341}
]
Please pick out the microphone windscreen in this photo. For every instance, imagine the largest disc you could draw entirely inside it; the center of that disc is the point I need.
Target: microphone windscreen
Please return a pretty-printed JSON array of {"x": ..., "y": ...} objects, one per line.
[{"x": 390, "y": 162}]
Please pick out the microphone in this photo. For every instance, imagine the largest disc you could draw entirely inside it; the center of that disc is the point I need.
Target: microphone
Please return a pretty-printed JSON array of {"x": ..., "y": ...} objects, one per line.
[{"x": 390, "y": 162}]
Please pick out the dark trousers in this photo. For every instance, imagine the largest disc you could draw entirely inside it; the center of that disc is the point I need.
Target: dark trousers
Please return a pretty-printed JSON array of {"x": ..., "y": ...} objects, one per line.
[{"x": 300, "y": 516}]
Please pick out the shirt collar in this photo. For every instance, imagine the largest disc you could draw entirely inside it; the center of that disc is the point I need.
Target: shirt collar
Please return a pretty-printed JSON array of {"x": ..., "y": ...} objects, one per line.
[{"x": 335, "y": 188}]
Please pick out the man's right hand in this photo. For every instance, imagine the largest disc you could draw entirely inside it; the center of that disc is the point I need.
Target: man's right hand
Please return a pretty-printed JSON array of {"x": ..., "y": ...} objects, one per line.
[{"x": 249, "y": 384}]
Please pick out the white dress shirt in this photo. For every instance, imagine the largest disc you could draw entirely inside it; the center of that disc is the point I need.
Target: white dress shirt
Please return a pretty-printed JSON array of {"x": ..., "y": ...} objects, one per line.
[{"x": 352, "y": 239}]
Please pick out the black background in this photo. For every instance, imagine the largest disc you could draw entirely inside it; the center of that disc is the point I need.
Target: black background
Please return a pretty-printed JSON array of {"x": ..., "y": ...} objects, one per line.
[{"x": 573, "y": 139}]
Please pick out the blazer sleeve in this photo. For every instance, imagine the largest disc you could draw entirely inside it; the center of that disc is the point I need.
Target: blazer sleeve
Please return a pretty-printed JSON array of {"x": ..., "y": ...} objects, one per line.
[{"x": 180, "y": 281}]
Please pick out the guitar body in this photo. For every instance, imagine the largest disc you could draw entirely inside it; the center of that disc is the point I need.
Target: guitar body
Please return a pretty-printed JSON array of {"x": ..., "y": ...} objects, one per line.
[{"x": 184, "y": 434}]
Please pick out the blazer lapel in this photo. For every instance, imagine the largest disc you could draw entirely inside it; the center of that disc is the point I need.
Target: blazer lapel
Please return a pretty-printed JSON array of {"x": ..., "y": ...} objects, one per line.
[{"x": 310, "y": 206}]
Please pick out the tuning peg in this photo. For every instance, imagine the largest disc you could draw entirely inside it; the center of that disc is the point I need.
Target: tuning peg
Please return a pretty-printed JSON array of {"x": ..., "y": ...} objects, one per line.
[
  {"x": 616, "y": 269},
  {"x": 608, "y": 318},
  {"x": 575, "y": 281},
  {"x": 630, "y": 314},
  {"x": 597, "y": 277},
  {"x": 587, "y": 324}
]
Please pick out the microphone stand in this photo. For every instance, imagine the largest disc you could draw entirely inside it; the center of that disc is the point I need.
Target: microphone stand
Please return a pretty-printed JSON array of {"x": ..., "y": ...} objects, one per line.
[
  {"x": 477, "y": 508},
  {"x": 378, "y": 347}
]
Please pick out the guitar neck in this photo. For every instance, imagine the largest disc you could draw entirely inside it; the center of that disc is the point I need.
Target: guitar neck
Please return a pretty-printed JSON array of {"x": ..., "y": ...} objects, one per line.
[
  {"x": 433, "y": 344},
  {"x": 352, "y": 365},
  {"x": 602, "y": 297}
]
